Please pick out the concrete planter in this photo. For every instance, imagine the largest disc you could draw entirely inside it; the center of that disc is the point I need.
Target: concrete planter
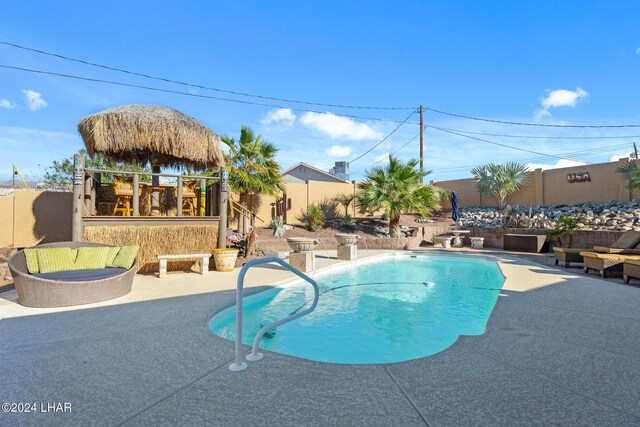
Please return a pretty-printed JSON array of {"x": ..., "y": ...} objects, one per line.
[
  {"x": 225, "y": 258},
  {"x": 347, "y": 239},
  {"x": 302, "y": 244}
]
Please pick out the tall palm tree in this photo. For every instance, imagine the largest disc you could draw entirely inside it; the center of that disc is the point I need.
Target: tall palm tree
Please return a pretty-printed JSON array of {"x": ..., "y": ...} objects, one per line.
[
  {"x": 630, "y": 173},
  {"x": 500, "y": 180},
  {"x": 397, "y": 189},
  {"x": 252, "y": 165}
]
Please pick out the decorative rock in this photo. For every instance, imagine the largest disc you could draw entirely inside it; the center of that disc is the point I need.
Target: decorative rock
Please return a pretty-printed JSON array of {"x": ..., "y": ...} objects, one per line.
[
  {"x": 279, "y": 232},
  {"x": 610, "y": 216}
]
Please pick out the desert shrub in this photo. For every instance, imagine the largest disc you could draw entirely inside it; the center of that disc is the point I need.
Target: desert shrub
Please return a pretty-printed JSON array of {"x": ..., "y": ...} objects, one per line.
[
  {"x": 348, "y": 222},
  {"x": 314, "y": 218},
  {"x": 275, "y": 223}
]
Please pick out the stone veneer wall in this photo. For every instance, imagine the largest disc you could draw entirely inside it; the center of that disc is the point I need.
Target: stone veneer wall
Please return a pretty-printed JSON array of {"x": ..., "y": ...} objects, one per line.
[{"x": 493, "y": 237}]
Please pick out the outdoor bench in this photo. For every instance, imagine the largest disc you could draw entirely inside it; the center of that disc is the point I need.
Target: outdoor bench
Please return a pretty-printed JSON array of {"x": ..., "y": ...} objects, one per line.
[
  {"x": 442, "y": 241},
  {"x": 204, "y": 261}
]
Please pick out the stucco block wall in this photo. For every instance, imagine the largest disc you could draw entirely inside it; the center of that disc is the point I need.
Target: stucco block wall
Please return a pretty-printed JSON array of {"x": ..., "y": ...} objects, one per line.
[
  {"x": 40, "y": 217},
  {"x": 551, "y": 187}
]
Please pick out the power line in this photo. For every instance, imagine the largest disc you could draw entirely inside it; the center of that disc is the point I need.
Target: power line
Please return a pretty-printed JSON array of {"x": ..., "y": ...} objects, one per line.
[
  {"x": 373, "y": 164},
  {"x": 542, "y": 136},
  {"x": 195, "y": 95},
  {"x": 582, "y": 153},
  {"x": 385, "y": 138},
  {"x": 506, "y": 122},
  {"x": 497, "y": 143},
  {"x": 167, "y": 80}
]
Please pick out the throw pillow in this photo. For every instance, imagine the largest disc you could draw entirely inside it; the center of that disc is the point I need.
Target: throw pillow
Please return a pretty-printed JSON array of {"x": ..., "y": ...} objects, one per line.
[
  {"x": 92, "y": 257},
  {"x": 113, "y": 252},
  {"x": 126, "y": 257},
  {"x": 31, "y": 257},
  {"x": 51, "y": 260}
]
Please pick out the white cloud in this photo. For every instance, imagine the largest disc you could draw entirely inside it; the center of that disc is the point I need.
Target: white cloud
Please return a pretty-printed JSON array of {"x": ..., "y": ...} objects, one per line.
[
  {"x": 339, "y": 151},
  {"x": 5, "y": 103},
  {"x": 558, "y": 98},
  {"x": 617, "y": 157},
  {"x": 339, "y": 127},
  {"x": 541, "y": 114},
  {"x": 562, "y": 163},
  {"x": 382, "y": 156},
  {"x": 281, "y": 115},
  {"x": 562, "y": 98},
  {"x": 34, "y": 100}
]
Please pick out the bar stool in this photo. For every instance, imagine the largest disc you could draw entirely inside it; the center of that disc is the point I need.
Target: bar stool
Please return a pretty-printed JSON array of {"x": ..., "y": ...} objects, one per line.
[
  {"x": 123, "y": 191},
  {"x": 189, "y": 197}
]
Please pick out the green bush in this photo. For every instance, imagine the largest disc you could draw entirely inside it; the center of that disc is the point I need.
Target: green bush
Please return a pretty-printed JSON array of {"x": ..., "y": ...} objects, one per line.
[
  {"x": 275, "y": 223},
  {"x": 314, "y": 219},
  {"x": 348, "y": 222}
]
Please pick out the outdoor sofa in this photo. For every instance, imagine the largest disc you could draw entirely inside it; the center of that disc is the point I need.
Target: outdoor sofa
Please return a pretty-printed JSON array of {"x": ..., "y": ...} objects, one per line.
[{"x": 71, "y": 287}]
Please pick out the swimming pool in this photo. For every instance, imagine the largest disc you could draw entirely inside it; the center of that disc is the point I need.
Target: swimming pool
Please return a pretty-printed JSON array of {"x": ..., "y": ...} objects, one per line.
[{"x": 392, "y": 309}]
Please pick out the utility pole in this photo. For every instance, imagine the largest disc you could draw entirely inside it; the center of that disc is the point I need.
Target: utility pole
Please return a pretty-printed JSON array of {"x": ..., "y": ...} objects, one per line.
[
  {"x": 635, "y": 148},
  {"x": 421, "y": 147}
]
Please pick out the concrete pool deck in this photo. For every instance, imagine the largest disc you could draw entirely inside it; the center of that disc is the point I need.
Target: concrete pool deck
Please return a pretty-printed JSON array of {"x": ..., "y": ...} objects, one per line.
[{"x": 560, "y": 348}]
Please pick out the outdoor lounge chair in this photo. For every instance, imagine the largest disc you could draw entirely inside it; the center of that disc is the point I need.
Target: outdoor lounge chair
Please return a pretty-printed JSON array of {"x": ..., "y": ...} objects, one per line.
[
  {"x": 68, "y": 287},
  {"x": 606, "y": 263},
  {"x": 626, "y": 242},
  {"x": 631, "y": 269},
  {"x": 567, "y": 255}
]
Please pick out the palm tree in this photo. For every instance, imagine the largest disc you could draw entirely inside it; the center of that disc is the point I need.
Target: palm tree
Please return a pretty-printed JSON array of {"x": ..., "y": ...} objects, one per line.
[
  {"x": 397, "y": 189},
  {"x": 252, "y": 165},
  {"x": 500, "y": 180},
  {"x": 345, "y": 200},
  {"x": 630, "y": 173}
]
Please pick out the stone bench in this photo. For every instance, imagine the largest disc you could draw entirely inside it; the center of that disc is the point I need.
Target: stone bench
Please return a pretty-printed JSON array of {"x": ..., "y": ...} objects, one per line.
[
  {"x": 477, "y": 242},
  {"x": 442, "y": 241},
  {"x": 204, "y": 261}
]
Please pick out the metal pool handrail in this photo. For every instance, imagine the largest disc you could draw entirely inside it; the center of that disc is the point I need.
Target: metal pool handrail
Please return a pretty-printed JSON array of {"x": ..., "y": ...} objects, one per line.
[{"x": 238, "y": 364}]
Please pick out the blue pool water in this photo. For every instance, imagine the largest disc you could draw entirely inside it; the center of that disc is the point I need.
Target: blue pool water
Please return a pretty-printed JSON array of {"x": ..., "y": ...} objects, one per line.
[{"x": 395, "y": 309}]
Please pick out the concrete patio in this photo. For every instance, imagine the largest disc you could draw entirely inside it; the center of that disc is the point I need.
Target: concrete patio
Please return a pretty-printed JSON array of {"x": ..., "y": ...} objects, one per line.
[{"x": 560, "y": 348}]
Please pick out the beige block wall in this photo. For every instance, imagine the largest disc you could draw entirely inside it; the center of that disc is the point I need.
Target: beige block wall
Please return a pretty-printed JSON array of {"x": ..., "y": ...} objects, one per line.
[
  {"x": 303, "y": 195},
  {"x": 40, "y": 217},
  {"x": 551, "y": 187}
]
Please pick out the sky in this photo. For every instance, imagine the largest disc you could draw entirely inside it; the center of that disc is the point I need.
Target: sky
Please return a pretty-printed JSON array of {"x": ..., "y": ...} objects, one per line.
[{"x": 569, "y": 63}]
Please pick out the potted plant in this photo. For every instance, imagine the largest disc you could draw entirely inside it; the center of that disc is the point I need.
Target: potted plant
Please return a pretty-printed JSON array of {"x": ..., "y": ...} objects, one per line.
[{"x": 225, "y": 258}]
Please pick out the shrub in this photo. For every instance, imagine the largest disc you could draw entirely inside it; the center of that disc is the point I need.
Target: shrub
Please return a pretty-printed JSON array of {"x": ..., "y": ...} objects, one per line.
[
  {"x": 275, "y": 223},
  {"x": 314, "y": 218},
  {"x": 348, "y": 222}
]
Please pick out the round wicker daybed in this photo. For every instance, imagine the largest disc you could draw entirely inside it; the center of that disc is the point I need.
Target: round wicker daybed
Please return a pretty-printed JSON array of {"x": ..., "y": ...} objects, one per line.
[{"x": 40, "y": 292}]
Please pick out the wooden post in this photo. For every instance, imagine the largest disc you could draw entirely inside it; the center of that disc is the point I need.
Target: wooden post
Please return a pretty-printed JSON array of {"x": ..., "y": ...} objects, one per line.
[
  {"x": 88, "y": 195},
  {"x": 203, "y": 197},
  {"x": 224, "y": 200},
  {"x": 136, "y": 195},
  {"x": 421, "y": 146},
  {"x": 78, "y": 196},
  {"x": 97, "y": 191},
  {"x": 179, "y": 201},
  {"x": 155, "y": 190}
]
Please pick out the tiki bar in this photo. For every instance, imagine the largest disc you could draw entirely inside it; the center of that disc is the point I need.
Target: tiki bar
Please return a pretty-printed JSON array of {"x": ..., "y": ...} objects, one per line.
[{"x": 159, "y": 212}]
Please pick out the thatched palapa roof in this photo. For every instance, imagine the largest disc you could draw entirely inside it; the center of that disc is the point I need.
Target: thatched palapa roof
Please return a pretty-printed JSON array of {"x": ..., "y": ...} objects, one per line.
[{"x": 151, "y": 133}]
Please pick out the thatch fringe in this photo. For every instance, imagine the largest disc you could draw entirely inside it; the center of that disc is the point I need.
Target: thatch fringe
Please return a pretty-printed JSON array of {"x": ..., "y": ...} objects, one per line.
[
  {"x": 142, "y": 133},
  {"x": 157, "y": 240}
]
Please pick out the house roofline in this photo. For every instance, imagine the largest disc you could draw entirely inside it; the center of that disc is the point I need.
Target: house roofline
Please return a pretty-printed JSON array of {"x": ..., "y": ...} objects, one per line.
[{"x": 315, "y": 169}]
